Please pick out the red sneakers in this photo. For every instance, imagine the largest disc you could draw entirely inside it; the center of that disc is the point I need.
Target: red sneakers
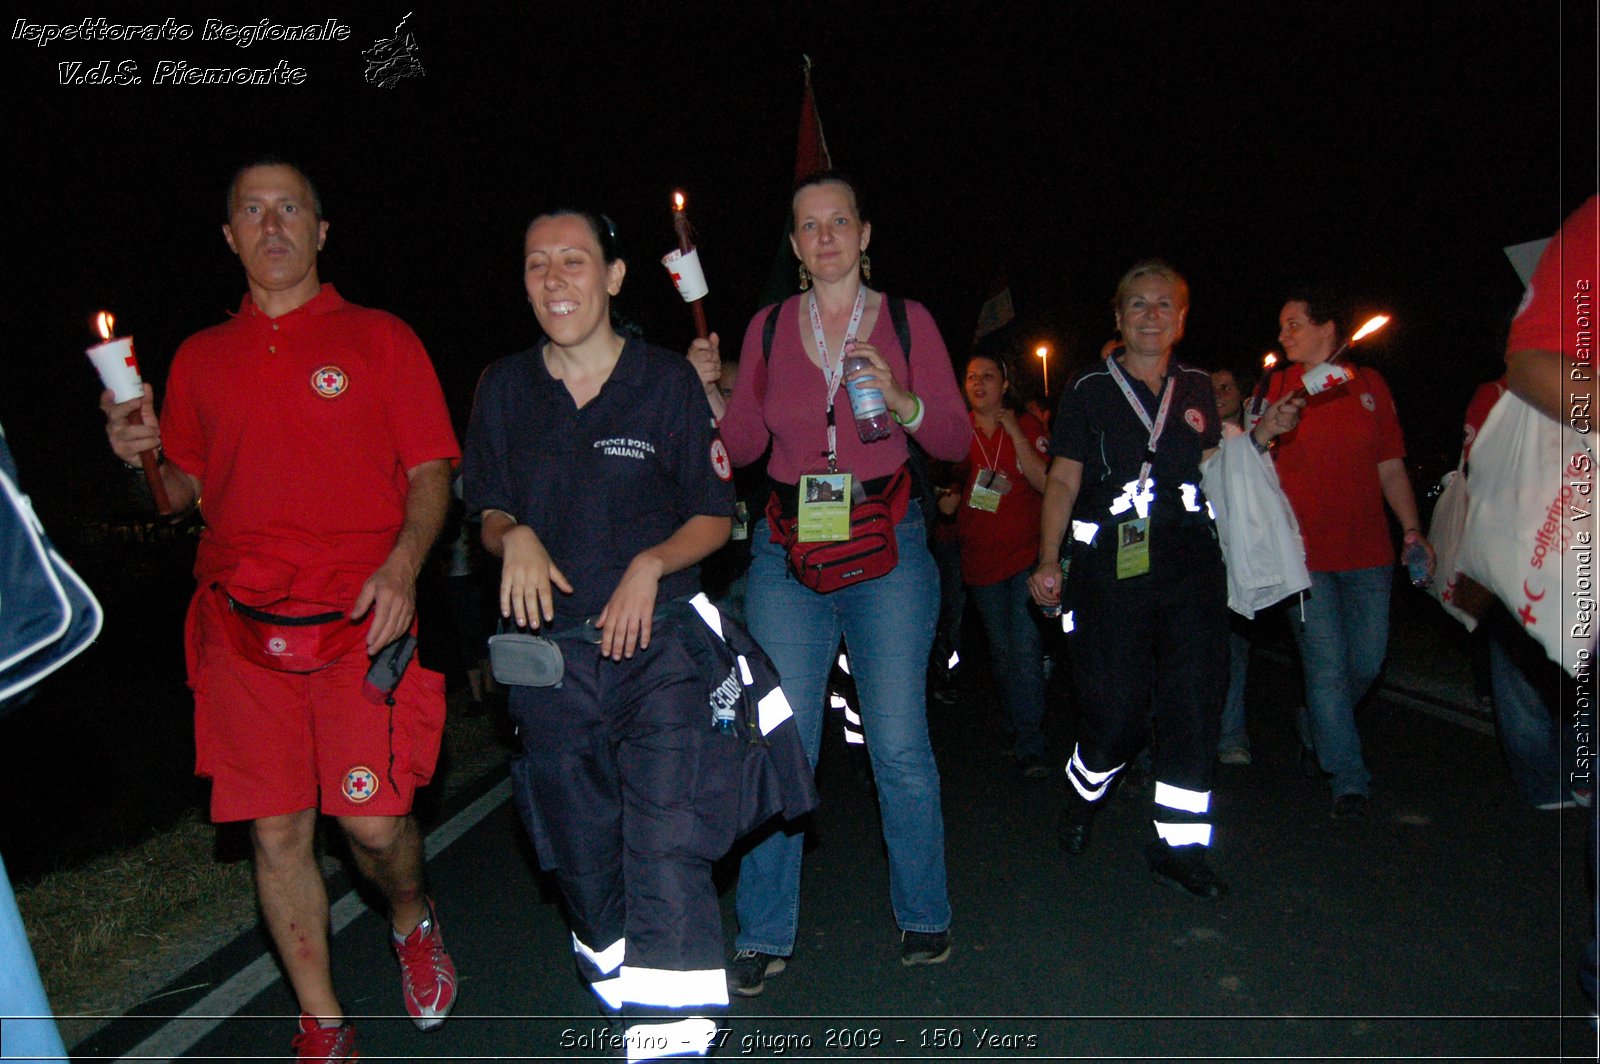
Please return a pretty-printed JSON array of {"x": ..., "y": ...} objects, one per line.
[
  {"x": 315, "y": 1042},
  {"x": 427, "y": 975}
]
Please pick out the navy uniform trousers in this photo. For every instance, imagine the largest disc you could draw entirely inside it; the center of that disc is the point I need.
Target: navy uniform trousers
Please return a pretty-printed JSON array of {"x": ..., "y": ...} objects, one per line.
[
  {"x": 629, "y": 795},
  {"x": 1151, "y": 651}
]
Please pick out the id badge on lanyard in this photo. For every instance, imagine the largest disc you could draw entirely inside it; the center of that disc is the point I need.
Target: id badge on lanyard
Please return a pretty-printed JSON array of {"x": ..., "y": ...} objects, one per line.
[
  {"x": 824, "y": 511},
  {"x": 987, "y": 488},
  {"x": 1133, "y": 535},
  {"x": 824, "y": 504}
]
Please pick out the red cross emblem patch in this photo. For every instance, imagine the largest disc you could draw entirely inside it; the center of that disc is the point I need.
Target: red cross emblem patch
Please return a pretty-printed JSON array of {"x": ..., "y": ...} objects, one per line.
[
  {"x": 329, "y": 382},
  {"x": 721, "y": 464},
  {"x": 360, "y": 784},
  {"x": 1195, "y": 418}
]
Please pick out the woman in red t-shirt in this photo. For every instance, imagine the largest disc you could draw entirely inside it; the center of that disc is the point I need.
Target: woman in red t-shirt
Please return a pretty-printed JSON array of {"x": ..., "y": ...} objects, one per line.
[{"x": 997, "y": 524}]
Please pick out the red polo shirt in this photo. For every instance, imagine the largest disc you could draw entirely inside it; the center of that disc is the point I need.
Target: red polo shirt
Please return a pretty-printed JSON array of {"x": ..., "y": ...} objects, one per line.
[
  {"x": 301, "y": 429},
  {"x": 1328, "y": 467}
]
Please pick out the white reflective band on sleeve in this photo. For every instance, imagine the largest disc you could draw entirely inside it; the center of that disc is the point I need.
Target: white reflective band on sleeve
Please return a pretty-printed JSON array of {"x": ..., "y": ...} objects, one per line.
[
  {"x": 1184, "y": 834},
  {"x": 708, "y": 613},
  {"x": 651, "y": 1041},
  {"x": 1191, "y": 497},
  {"x": 851, "y": 716},
  {"x": 1178, "y": 798},
  {"x": 836, "y": 701},
  {"x": 746, "y": 677},
  {"x": 773, "y": 710},
  {"x": 853, "y": 737},
  {"x": 664, "y": 988},
  {"x": 1210, "y": 510},
  {"x": 955, "y": 659},
  {"x": 844, "y": 663},
  {"x": 1066, "y": 622},
  {"x": 1084, "y": 531},
  {"x": 606, "y": 960},
  {"x": 609, "y": 991}
]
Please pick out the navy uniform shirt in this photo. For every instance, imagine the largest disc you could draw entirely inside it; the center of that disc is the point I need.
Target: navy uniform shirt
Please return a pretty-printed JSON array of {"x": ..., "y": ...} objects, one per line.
[
  {"x": 1095, "y": 425},
  {"x": 600, "y": 484}
]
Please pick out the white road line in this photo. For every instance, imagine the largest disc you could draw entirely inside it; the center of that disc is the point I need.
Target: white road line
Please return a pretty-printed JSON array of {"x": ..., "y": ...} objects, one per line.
[{"x": 180, "y": 1034}]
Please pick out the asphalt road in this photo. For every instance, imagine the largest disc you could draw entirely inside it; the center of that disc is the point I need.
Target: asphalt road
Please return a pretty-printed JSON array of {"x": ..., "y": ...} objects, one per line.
[{"x": 1448, "y": 927}]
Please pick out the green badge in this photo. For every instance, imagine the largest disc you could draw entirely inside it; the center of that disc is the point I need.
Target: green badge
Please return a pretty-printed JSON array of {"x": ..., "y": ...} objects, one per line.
[
  {"x": 824, "y": 507},
  {"x": 1133, "y": 548}
]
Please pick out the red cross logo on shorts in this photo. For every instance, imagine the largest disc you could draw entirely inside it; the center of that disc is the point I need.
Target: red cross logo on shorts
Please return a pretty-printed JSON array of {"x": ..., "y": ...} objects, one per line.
[
  {"x": 360, "y": 784},
  {"x": 329, "y": 382}
]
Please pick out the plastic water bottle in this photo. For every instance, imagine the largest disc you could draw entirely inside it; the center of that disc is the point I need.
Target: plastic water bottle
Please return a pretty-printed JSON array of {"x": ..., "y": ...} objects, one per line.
[
  {"x": 1055, "y": 611},
  {"x": 1415, "y": 557},
  {"x": 866, "y": 402},
  {"x": 724, "y": 702}
]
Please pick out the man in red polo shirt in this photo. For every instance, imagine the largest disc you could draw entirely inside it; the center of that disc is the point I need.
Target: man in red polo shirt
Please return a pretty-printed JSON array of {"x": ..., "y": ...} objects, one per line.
[{"x": 314, "y": 436}]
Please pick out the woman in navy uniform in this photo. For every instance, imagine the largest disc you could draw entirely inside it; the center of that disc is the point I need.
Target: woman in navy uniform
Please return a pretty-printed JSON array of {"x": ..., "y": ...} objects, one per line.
[
  {"x": 1147, "y": 591},
  {"x": 602, "y": 485}
]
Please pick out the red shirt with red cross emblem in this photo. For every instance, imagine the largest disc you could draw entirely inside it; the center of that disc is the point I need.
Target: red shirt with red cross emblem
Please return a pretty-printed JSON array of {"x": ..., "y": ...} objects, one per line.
[
  {"x": 301, "y": 429},
  {"x": 1561, "y": 290},
  {"x": 997, "y": 545},
  {"x": 1328, "y": 467}
]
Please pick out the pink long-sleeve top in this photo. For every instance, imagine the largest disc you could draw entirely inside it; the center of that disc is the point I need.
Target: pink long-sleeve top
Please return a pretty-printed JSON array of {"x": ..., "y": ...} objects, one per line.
[{"x": 785, "y": 400}]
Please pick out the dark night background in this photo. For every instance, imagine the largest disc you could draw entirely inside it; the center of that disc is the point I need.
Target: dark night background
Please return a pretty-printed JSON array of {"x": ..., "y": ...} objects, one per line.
[{"x": 1391, "y": 149}]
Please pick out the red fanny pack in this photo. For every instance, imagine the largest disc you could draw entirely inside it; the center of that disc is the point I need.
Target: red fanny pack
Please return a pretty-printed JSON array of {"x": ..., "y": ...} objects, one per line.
[
  {"x": 872, "y": 550},
  {"x": 302, "y": 642}
]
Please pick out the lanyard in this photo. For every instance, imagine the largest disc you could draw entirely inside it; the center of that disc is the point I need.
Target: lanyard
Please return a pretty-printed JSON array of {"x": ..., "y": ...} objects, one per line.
[
  {"x": 833, "y": 376},
  {"x": 1138, "y": 408},
  {"x": 999, "y": 447}
]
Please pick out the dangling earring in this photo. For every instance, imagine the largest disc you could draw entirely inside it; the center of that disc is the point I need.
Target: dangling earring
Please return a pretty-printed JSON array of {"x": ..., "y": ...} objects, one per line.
[
  {"x": 866, "y": 266},
  {"x": 805, "y": 278}
]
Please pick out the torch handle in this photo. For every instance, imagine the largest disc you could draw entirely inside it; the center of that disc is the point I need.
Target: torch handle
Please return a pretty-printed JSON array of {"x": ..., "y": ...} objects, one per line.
[
  {"x": 700, "y": 329},
  {"x": 152, "y": 473}
]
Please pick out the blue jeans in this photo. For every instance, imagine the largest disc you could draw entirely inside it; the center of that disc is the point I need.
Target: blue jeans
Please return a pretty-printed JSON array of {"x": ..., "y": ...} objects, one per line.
[
  {"x": 1015, "y": 657},
  {"x": 1524, "y": 716},
  {"x": 1342, "y": 640},
  {"x": 888, "y": 623},
  {"x": 1233, "y": 735}
]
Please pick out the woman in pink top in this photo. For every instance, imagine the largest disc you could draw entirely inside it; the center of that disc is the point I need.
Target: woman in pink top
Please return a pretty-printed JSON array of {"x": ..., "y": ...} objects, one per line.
[{"x": 782, "y": 397}]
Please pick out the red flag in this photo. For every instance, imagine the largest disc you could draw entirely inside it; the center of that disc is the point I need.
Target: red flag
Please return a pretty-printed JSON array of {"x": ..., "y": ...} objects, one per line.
[
  {"x": 810, "y": 155},
  {"x": 811, "y": 151}
]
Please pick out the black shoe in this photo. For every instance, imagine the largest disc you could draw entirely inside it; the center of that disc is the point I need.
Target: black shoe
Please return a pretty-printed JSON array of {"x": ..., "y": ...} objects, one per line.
[
  {"x": 1184, "y": 868},
  {"x": 1077, "y": 818},
  {"x": 1350, "y": 807},
  {"x": 924, "y": 947},
  {"x": 747, "y": 974}
]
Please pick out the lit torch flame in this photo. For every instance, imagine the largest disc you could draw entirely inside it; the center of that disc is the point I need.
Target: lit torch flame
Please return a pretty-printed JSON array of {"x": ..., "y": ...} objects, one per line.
[
  {"x": 105, "y": 321},
  {"x": 1373, "y": 324},
  {"x": 1270, "y": 360},
  {"x": 677, "y": 201}
]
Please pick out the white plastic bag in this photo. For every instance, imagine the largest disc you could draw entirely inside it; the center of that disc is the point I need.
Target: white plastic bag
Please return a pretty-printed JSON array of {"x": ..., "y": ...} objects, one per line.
[
  {"x": 1461, "y": 597},
  {"x": 1530, "y": 527},
  {"x": 1260, "y": 537}
]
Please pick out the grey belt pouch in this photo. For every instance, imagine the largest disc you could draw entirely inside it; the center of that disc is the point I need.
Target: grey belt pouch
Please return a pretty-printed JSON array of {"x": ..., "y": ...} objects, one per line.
[{"x": 523, "y": 660}]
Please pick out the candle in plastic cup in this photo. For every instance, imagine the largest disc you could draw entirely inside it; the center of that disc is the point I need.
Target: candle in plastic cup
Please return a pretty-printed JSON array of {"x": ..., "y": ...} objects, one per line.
[
  {"x": 118, "y": 368},
  {"x": 686, "y": 274}
]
